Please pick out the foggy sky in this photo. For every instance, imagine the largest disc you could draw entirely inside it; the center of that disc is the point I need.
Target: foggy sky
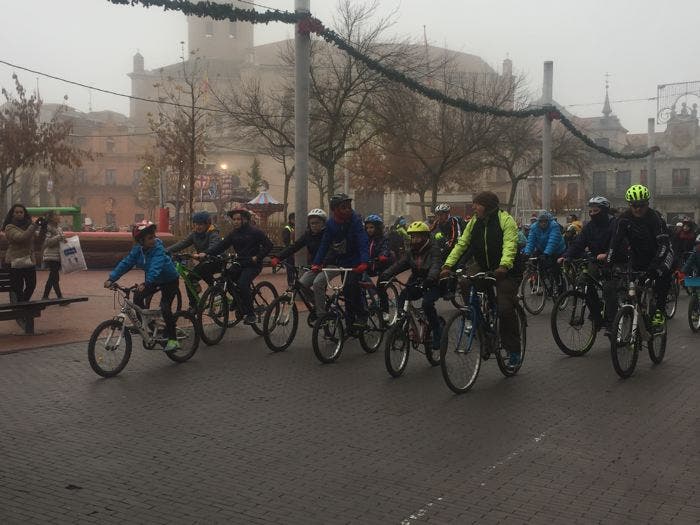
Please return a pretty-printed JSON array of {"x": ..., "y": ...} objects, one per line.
[{"x": 639, "y": 42}]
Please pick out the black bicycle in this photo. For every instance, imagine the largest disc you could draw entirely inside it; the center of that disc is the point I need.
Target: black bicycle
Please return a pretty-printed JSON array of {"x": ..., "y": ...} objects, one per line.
[{"x": 537, "y": 286}]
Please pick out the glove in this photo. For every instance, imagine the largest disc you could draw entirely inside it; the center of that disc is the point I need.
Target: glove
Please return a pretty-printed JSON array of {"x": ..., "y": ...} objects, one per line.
[
  {"x": 274, "y": 261},
  {"x": 107, "y": 284},
  {"x": 445, "y": 272},
  {"x": 360, "y": 268},
  {"x": 500, "y": 273},
  {"x": 383, "y": 259},
  {"x": 316, "y": 268}
]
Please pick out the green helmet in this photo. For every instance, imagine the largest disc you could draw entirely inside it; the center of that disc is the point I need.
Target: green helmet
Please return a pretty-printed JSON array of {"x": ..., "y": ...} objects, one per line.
[{"x": 637, "y": 193}]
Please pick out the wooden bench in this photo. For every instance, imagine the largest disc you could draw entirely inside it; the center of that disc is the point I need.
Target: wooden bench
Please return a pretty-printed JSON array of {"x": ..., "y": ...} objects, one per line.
[{"x": 26, "y": 311}]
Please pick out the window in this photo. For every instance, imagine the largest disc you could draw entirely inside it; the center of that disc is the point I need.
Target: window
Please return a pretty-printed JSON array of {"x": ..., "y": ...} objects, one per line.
[
  {"x": 600, "y": 184},
  {"x": 232, "y": 30},
  {"x": 110, "y": 177},
  {"x": 209, "y": 28},
  {"x": 623, "y": 180},
  {"x": 81, "y": 177},
  {"x": 680, "y": 178},
  {"x": 572, "y": 191},
  {"x": 110, "y": 145}
]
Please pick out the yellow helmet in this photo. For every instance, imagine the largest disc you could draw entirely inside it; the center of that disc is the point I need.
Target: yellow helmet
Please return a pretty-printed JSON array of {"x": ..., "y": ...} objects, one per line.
[{"x": 418, "y": 227}]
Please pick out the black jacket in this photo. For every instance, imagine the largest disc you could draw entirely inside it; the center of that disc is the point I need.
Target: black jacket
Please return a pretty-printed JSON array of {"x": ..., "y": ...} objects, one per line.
[
  {"x": 247, "y": 242},
  {"x": 595, "y": 236},
  {"x": 648, "y": 239},
  {"x": 425, "y": 264},
  {"x": 311, "y": 240}
]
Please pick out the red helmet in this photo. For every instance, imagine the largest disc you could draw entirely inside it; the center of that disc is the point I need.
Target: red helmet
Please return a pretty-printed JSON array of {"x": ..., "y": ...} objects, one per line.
[{"x": 142, "y": 228}]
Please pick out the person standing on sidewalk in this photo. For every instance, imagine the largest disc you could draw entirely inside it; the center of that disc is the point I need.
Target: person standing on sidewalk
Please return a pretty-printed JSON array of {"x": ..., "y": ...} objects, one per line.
[
  {"x": 52, "y": 254},
  {"x": 21, "y": 235}
]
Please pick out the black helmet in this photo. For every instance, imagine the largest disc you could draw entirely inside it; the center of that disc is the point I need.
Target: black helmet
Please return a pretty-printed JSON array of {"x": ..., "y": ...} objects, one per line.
[{"x": 339, "y": 198}]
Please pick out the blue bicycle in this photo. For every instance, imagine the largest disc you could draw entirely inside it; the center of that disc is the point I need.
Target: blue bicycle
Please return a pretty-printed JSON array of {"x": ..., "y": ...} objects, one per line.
[{"x": 472, "y": 334}]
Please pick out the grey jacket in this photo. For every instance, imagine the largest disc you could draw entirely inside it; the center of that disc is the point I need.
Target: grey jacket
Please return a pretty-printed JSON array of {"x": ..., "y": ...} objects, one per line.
[
  {"x": 54, "y": 236},
  {"x": 208, "y": 241}
]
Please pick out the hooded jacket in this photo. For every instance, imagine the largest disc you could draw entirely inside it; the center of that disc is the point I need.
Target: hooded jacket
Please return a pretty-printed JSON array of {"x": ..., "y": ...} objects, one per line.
[
  {"x": 547, "y": 242},
  {"x": 201, "y": 242},
  {"x": 54, "y": 236},
  {"x": 156, "y": 263},
  {"x": 344, "y": 243},
  {"x": 595, "y": 236},
  {"x": 648, "y": 239},
  {"x": 247, "y": 242},
  {"x": 424, "y": 264}
]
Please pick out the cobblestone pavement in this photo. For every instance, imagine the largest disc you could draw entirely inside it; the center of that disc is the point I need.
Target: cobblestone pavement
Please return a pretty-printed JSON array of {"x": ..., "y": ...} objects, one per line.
[{"x": 241, "y": 435}]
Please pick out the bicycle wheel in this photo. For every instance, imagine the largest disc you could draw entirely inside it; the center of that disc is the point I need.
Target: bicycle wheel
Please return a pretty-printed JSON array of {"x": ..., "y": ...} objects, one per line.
[
  {"x": 433, "y": 356},
  {"x": 263, "y": 295},
  {"x": 396, "y": 349},
  {"x": 392, "y": 293},
  {"x": 177, "y": 303},
  {"x": 109, "y": 348},
  {"x": 694, "y": 312},
  {"x": 328, "y": 337},
  {"x": 460, "y": 351},
  {"x": 573, "y": 330},
  {"x": 212, "y": 314},
  {"x": 280, "y": 323},
  {"x": 624, "y": 342},
  {"x": 503, "y": 357},
  {"x": 672, "y": 299},
  {"x": 371, "y": 336},
  {"x": 187, "y": 335},
  {"x": 533, "y": 292}
]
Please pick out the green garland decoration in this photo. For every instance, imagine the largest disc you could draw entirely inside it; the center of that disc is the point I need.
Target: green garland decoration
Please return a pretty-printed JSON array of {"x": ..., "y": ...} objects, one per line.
[{"x": 308, "y": 24}]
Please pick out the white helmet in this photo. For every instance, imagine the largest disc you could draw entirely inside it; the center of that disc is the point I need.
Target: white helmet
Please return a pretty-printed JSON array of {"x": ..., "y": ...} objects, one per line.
[
  {"x": 317, "y": 212},
  {"x": 442, "y": 207},
  {"x": 601, "y": 202}
]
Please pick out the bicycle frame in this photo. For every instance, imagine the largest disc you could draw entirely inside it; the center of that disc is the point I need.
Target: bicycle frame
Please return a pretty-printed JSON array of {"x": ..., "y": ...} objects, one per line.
[
  {"x": 639, "y": 297},
  {"x": 138, "y": 318},
  {"x": 477, "y": 303}
]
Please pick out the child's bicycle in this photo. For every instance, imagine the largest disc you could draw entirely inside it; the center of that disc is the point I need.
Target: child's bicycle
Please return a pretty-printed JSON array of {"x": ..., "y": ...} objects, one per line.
[
  {"x": 472, "y": 334},
  {"x": 222, "y": 298},
  {"x": 692, "y": 284},
  {"x": 109, "y": 348},
  {"x": 410, "y": 330},
  {"x": 331, "y": 330}
]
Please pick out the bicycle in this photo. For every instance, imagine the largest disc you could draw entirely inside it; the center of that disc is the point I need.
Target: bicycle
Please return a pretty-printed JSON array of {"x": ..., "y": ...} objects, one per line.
[
  {"x": 105, "y": 353},
  {"x": 472, "y": 335},
  {"x": 632, "y": 327},
  {"x": 572, "y": 325},
  {"x": 330, "y": 330},
  {"x": 537, "y": 286},
  {"x": 692, "y": 284},
  {"x": 410, "y": 330},
  {"x": 222, "y": 297}
]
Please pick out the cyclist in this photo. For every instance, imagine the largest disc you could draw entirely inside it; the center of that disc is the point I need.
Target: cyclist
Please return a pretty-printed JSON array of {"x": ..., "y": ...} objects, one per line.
[
  {"x": 398, "y": 238},
  {"x": 646, "y": 232},
  {"x": 149, "y": 253},
  {"x": 380, "y": 256},
  {"x": 692, "y": 265},
  {"x": 683, "y": 241},
  {"x": 595, "y": 238},
  {"x": 546, "y": 242},
  {"x": 311, "y": 238},
  {"x": 251, "y": 245},
  {"x": 446, "y": 228},
  {"x": 344, "y": 243},
  {"x": 287, "y": 240},
  {"x": 491, "y": 235},
  {"x": 573, "y": 228},
  {"x": 203, "y": 237},
  {"x": 424, "y": 259}
]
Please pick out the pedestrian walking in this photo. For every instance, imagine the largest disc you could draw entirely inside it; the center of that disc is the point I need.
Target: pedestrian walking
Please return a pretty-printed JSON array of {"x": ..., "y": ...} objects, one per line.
[{"x": 52, "y": 255}]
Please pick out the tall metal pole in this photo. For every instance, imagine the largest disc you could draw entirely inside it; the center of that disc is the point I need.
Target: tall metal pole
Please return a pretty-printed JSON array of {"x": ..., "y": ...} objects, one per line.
[
  {"x": 651, "y": 160},
  {"x": 302, "y": 59},
  {"x": 547, "y": 137}
]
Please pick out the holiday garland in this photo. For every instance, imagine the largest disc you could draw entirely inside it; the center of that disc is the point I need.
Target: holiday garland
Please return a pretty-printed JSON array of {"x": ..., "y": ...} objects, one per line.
[{"x": 308, "y": 24}]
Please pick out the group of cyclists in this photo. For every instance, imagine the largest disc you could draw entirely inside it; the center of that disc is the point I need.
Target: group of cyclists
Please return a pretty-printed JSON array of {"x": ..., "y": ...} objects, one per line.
[{"x": 488, "y": 241}]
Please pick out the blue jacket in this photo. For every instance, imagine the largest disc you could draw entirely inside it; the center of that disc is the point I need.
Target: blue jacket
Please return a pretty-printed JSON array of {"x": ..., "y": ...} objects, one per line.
[
  {"x": 156, "y": 262},
  {"x": 347, "y": 243},
  {"x": 545, "y": 242},
  {"x": 692, "y": 265}
]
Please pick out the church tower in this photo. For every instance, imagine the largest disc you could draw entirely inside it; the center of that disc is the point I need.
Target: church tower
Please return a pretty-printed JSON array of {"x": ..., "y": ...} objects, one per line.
[{"x": 221, "y": 39}]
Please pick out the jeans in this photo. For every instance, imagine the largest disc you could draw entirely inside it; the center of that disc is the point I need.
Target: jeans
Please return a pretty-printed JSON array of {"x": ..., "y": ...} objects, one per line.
[
  {"x": 52, "y": 282},
  {"x": 168, "y": 291},
  {"x": 23, "y": 283},
  {"x": 317, "y": 283},
  {"x": 244, "y": 278},
  {"x": 430, "y": 296}
]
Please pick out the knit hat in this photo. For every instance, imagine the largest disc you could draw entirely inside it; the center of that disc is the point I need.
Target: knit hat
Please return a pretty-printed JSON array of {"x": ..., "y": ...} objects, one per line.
[{"x": 488, "y": 199}]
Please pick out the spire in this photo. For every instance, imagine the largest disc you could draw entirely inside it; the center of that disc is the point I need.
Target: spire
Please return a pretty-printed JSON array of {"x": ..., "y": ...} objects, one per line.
[{"x": 606, "y": 106}]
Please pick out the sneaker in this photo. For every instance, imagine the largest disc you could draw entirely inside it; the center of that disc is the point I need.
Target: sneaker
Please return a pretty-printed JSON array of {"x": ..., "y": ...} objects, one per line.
[
  {"x": 513, "y": 359},
  {"x": 172, "y": 345},
  {"x": 658, "y": 320},
  {"x": 250, "y": 319}
]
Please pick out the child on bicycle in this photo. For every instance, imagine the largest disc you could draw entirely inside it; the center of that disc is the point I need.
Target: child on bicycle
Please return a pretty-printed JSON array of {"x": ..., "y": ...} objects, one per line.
[
  {"x": 424, "y": 258},
  {"x": 160, "y": 274},
  {"x": 205, "y": 236},
  {"x": 380, "y": 256}
]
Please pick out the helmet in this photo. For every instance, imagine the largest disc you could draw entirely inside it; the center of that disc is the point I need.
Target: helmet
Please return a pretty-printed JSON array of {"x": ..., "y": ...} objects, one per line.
[
  {"x": 374, "y": 218},
  {"x": 637, "y": 193},
  {"x": 601, "y": 202},
  {"x": 317, "y": 212},
  {"x": 242, "y": 211},
  {"x": 442, "y": 207},
  {"x": 544, "y": 215},
  {"x": 201, "y": 217},
  {"x": 418, "y": 227},
  {"x": 142, "y": 228},
  {"x": 401, "y": 221},
  {"x": 679, "y": 225},
  {"x": 339, "y": 198}
]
